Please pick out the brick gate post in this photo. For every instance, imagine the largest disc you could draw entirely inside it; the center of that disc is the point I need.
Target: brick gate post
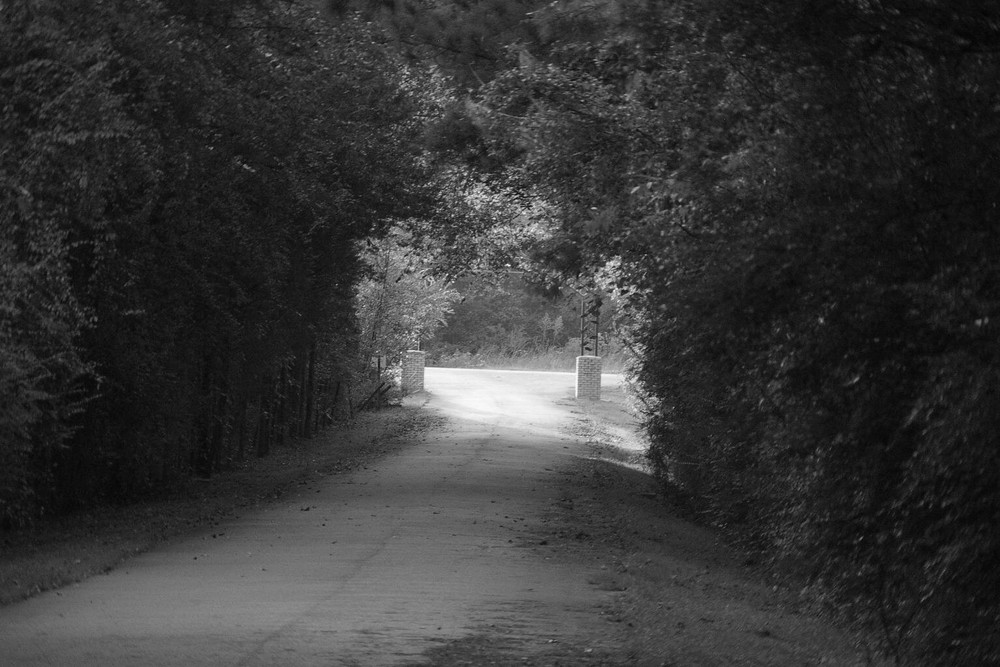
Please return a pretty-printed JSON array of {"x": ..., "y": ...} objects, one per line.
[
  {"x": 588, "y": 378},
  {"x": 413, "y": 372}
]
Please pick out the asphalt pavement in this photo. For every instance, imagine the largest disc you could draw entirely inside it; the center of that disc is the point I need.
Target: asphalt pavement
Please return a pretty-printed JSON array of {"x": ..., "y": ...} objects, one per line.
[{"x": 374, "y": 567}]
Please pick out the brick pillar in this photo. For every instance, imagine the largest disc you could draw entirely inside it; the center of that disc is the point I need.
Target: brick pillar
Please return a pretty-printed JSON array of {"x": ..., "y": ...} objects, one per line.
[
  {"x": 588, "y": 378},
  {"x": 413, "y": 372}
]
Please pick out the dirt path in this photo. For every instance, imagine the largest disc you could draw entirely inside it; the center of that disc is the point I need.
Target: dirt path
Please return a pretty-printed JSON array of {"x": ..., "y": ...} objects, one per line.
[{"x": 498, "y": 538}]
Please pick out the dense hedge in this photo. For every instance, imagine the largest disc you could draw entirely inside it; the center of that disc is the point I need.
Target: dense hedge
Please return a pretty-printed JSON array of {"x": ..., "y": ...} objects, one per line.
[
  {"x": 799, "y": 200},
  {"x": 182, "y": 185},
  {"x": 824, "y": 343}
]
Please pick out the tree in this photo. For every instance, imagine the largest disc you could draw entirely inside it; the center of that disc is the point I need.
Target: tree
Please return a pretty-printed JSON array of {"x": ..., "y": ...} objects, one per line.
[
  {"x": 400, "y": 303},
  {"x": 184, "y": 184},
  {"x": 65, "y": 140},
  {"x": 800, "y": 200}
]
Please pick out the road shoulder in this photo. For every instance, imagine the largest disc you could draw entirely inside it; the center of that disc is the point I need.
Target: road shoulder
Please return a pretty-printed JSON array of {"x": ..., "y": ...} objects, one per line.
[
  {"x": 66, "y": 550},
  {"x": 682, "y": 595}
]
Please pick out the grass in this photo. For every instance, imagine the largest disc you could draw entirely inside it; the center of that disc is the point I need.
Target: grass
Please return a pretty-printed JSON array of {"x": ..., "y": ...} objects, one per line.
[{"x": 554, "y": 359}]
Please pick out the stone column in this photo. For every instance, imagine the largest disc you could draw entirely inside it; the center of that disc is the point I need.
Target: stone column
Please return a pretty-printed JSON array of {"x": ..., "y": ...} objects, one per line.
[
  {"x": 413, "y": 372},
  {"x": 588, "y": 378}
]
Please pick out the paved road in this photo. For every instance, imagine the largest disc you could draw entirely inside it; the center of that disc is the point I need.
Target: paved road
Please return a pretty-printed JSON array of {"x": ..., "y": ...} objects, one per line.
[{"x": 376, "y": 567}]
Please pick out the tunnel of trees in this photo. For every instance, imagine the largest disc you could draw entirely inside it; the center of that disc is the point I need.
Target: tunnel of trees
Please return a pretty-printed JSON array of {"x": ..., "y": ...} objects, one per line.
[
  {"x": 184, "y": 186},
  {"x": 795, "y": 202}
]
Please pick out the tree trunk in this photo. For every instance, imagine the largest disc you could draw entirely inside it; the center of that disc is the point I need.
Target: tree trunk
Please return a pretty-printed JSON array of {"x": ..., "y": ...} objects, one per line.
[
  {"x": 282, "y": 421},
  {"x": 310, "y": 392},
  {"x": 264, "y": 418}
]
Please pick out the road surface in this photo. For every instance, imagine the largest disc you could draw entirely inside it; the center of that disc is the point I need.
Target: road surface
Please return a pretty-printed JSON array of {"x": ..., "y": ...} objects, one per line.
[{"x": 425, "y": 549}]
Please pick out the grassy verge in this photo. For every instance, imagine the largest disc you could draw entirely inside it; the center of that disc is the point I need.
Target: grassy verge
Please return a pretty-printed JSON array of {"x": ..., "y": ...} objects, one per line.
[
  {"x": 555, "y": 359},
  {"x": 68, "y": 549},
  {"x": 682, "y": 594}
]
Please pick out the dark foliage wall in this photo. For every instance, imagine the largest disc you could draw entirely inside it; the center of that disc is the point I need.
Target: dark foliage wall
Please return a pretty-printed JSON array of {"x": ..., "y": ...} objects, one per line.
[
  {"x": 181, "y": 187},
  {"x": 801, "y": 199}
]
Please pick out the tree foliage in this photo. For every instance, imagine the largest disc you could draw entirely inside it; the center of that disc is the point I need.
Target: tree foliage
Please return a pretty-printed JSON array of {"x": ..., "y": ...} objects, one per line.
[
  {"x": 184, "y": 183},
  {"x": 400, "y": 302},
  {"x": 798, "y": 201},
  {"x": 509, "y": 317},
  {"x": 801, "y": 198}
]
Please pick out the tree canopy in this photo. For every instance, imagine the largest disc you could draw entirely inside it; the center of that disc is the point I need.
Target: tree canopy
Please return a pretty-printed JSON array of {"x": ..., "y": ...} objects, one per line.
[
  {"x": 800, "y": 201},
  {"x": 184, "y": 184},
  {"x": 796, "y": 201}
]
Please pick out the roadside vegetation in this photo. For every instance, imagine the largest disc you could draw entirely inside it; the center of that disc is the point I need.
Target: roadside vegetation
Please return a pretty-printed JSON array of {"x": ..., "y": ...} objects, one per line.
[
  {"x": 797, "y": 205},
  {"x": 66, "y": 549},
  {"x": 183, "y": 187},
  {"x": 187, "y": 190},
  {"x": 512, "y": 323},
  {"x": 561, "y": 359},
  {"x": 791, "y": 205}
]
